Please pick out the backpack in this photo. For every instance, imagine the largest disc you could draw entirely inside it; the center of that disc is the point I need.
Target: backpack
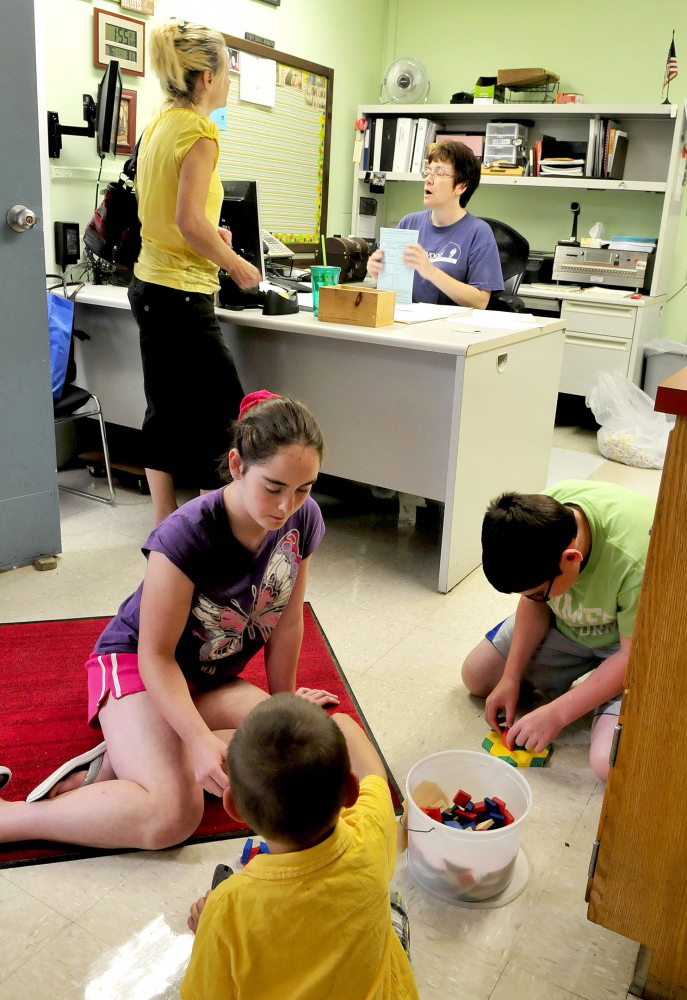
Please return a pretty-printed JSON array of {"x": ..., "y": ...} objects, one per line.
[{"x": 114, "y": 232}]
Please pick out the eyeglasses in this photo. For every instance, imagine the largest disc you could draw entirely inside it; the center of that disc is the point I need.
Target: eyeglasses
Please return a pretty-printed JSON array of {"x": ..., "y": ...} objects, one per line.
[
  {"x": 436, "y": 174},
  {"x": 541, "y": 598}
]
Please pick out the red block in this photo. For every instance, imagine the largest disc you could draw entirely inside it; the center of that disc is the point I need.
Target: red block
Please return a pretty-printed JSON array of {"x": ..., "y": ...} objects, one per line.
[
  {"x": 253, "y": 851},
  {"x": 461, "y": 798},
  {"x": 500, "y": 803},
  {"x": 507, "y": 818},
  {"x": 480, "y": 807},
  {"x": 464, "y": 814},
  {"x": 433, "y": 813}
]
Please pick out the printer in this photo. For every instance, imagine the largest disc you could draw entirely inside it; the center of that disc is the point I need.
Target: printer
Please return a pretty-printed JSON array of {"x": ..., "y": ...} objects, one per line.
[{"x": 612, "y": 268}]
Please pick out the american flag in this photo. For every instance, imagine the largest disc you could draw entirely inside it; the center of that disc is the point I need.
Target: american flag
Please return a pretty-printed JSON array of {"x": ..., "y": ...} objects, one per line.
[{"x": 671, "y": 64}]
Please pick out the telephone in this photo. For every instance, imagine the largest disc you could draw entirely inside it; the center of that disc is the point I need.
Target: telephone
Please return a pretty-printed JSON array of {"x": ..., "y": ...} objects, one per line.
[{"x": 273, "y": 247}]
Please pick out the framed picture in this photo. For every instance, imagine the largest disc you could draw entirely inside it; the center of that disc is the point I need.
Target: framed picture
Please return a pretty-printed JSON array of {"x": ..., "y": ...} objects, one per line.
[
  {"x": 126, "y": 133},
  {"x": 116, "y": 36}
]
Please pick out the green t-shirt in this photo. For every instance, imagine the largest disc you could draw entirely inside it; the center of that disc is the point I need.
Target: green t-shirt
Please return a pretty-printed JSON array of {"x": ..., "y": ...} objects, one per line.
[{"x": 602, "y": 604}]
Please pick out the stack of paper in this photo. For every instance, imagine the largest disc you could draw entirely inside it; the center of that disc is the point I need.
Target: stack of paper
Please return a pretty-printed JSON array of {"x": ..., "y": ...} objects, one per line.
[
  {"x": 423, "y": 312},
  {"x": 644, "y": 243},
  {"x": 560, "y": 166}
]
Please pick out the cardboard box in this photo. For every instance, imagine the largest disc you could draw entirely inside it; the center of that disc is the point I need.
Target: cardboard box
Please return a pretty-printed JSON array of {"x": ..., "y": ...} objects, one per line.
[
  {"x": 356, "y": 306},
  {"x": 522, "y": 78},
  {"x": 488, "y": 91}
]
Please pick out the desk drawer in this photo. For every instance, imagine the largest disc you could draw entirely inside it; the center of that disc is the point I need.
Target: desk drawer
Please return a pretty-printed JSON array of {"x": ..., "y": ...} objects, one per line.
[
  {"x": 612, "y": 320},
  {"x": 585, "y": 354}
]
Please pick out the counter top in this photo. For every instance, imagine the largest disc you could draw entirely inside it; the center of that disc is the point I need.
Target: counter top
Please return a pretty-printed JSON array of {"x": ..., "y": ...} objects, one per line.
[{"x": 436, "y": 336}]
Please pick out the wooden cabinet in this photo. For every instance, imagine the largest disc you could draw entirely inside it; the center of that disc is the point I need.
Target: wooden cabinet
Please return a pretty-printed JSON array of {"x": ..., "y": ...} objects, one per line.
[{"x": 638, "y": 886}]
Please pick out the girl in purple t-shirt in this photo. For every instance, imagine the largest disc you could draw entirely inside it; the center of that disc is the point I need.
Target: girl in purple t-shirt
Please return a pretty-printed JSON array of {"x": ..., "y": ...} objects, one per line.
[{"x": 226, "y": 576}]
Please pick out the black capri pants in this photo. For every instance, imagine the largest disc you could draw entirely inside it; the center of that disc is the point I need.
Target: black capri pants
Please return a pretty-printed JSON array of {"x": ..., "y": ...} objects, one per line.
[{"x": 191, "y": 385}]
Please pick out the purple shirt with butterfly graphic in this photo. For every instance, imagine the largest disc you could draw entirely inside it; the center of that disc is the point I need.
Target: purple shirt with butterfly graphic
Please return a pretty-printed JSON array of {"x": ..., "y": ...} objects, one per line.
[
  {"x": 465, "y": 250},
  {"x": 238, "y": 595}
]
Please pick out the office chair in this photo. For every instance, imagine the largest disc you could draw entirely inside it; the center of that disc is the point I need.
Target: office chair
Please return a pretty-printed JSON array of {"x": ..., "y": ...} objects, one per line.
[
  {"x": 72, "y": 399},
  {"x": 514, "y": 251}
]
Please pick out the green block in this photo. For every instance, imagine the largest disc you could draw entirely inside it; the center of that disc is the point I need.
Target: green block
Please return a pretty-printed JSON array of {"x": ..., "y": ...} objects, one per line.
[
  {"x": 487, "y": 743},
  {"x": 538, "y": 761}
]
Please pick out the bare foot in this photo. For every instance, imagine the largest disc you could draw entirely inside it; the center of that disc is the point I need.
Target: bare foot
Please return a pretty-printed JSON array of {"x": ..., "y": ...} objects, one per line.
[{"x": 76, "y": 779}]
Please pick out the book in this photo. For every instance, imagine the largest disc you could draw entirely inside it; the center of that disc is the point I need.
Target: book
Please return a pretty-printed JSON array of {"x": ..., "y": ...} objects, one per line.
[
  {"x": 591, "y": 147},
  {"x": 388, "y": 144},
  {"x": 616, "y": 158},
  {"x": 418, "y": 148},
  {"x": 610, "y": 126},
  {"x": 413, "y": 137},
  {"x": 401, "y": 158},
  {"x": 365, "y": 165}
]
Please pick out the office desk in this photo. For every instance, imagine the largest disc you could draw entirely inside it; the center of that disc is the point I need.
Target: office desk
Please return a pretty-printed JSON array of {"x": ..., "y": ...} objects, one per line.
[{"x": 453, "y": 417}]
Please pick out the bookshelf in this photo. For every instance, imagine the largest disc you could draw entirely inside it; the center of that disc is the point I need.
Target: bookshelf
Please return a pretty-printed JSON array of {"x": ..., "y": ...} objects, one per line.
[
  {"x": 654, "y": 163},
  {"x": 602, "y": 333}
]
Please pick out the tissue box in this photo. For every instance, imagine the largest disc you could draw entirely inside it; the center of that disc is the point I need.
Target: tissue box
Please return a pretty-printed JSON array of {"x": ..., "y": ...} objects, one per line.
[{"x": 356, "y": 306}]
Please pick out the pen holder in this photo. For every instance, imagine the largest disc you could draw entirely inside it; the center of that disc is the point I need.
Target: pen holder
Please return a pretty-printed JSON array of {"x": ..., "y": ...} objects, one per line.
[{"x": 322, "y": 276}]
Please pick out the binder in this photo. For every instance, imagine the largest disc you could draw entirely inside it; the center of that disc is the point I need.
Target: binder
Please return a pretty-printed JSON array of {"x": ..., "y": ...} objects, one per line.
[
  {"x": 388, "y": 144},
  {"x": 402, "y": 146},
  {"x": 365, "y": 165},
  {"x": 377, "y": 154},
  {"x": 616, "y": 167}
]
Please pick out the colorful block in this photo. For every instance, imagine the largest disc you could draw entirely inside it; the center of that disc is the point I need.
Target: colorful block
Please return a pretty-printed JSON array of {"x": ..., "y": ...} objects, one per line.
[
  {"x": 434, "y": 814},
  {"x": 255, "y": 849},
  {"x": 245, "y": 854},
  {"x": 493, "y": 742},
  {"x": 485, "y": 825},
  {"x": 264, "y": 849},
  {"x": 461, "y": 798}
]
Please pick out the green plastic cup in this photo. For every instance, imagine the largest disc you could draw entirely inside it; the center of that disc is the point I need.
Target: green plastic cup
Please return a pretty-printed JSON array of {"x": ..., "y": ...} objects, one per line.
[{"x": 322, "y": 276}]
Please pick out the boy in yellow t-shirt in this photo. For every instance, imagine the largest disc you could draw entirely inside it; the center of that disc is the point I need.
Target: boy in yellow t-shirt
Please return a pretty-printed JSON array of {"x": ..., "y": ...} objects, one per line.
[{"x": 311, "y": 919}]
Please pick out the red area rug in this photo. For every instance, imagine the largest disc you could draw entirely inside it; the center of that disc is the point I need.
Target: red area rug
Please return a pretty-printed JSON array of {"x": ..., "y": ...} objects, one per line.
[{"x": 43, "y": 715}]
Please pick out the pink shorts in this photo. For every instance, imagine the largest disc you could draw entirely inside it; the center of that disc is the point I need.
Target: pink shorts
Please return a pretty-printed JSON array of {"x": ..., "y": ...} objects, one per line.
[{"x": 115, "y": 674}]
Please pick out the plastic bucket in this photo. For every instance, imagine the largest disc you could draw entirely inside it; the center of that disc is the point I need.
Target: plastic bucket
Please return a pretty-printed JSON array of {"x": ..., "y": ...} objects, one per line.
[{"x": 466, "y": 865}]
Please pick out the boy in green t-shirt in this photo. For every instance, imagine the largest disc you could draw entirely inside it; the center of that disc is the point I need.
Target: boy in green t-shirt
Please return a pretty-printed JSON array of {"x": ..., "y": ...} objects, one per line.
[{"x": 576, "y": 554}]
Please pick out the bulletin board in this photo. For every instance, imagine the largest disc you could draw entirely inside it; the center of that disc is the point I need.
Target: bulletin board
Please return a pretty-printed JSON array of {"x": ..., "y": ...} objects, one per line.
[{"x": 284, "y": 147}]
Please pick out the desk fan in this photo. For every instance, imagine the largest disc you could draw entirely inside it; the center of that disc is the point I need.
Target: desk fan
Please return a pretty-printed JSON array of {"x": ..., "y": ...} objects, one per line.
[{"x": 405, "y": 81}]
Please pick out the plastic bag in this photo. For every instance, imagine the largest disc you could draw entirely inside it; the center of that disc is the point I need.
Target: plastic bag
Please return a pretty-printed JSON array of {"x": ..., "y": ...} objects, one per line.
[
  {"x": 60, "y": 322},
  {"x": 631, "y": 431}
]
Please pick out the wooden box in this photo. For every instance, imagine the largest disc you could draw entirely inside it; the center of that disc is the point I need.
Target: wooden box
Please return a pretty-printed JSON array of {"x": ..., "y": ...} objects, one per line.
[{"x": 356, "y": 306}]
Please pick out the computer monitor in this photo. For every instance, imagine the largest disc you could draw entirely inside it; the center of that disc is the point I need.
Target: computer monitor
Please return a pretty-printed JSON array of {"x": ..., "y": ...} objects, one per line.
[
  {"x": 241, "y": 214},
  {"x": 107, "y": 109}
]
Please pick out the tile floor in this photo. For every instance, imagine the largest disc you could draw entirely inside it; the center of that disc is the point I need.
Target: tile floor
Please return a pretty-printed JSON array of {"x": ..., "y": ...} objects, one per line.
[{"x": 115, "y": 928}]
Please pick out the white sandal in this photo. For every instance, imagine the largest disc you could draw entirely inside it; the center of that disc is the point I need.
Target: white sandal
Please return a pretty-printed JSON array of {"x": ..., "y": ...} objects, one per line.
[{"x": 94, "y": 759}]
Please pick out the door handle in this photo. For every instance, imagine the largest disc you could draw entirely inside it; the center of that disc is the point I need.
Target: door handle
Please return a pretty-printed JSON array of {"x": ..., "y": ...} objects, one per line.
[{"x": 20, "y": 218}]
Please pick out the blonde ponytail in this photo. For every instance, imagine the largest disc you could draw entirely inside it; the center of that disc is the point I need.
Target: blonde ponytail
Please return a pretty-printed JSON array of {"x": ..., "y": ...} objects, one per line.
[{"x": 179, "y": 52}]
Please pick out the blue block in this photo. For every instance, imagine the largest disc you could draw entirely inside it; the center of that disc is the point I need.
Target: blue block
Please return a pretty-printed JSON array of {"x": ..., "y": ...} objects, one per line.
[
  {"x": 469, "y": 807},
  {"x": 470, "y": 826},
  {"x": 245, "y": 854},
  {"x": 264, "y": 849},
  {"x": 454, "y": 823},
  {"x": 491, "y": 805},
  {"x": 446, "y": 817}
]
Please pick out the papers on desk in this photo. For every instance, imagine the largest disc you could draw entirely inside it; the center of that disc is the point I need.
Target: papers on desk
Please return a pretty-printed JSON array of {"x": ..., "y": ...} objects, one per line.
[
  {"x": 304, "y": 301},
  {"x": 395, "y": 275},
  {"x": 423, "y": 312},
  {"x": 482, "y": 319},
  {"x": 621, "y": 293}
]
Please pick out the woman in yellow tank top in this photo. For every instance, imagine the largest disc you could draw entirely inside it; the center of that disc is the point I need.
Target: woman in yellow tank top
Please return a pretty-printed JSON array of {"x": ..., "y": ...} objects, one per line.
[{"x": 192, "y": 389}]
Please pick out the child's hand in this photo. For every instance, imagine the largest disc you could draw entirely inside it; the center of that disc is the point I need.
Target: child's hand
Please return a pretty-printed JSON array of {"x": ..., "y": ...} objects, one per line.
[
  {"x": 536, "y": 729},
  {"x": 209, "y": 754},
  {"x": 196, "y": 910},
  {"x": 317, "y": 696},
  {"x": 503, "y": 698}
]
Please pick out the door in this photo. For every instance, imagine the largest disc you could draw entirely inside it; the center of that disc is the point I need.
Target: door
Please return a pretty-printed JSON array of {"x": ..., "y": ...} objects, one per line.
[{"x": 29, "y": 512}]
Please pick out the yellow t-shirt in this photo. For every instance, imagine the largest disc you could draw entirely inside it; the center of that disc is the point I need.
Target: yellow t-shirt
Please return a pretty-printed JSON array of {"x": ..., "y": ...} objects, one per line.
[
  {"x": 308, "y": 925},
  {"x": 166, "y": 258}
]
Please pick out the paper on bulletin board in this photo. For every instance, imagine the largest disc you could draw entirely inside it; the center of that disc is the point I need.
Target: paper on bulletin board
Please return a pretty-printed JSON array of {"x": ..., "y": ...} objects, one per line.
[
  {"x": 258, "y": 80},
  {"x": 219, "y": 115}
]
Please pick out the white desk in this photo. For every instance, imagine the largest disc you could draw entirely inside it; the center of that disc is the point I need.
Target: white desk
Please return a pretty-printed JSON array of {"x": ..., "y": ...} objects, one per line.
[
  {"x": 604, "y": 332},
  {"x": 453, "y": 417}
]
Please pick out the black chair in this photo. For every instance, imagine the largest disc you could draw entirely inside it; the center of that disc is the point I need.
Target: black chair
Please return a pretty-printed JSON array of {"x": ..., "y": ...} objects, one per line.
[
  {"x": 70, "y": 407},
  {"x": 514, "y": 251}
]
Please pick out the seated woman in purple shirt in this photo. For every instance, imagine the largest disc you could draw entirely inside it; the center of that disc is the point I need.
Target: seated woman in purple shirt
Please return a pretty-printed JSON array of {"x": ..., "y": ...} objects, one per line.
[
  {"x": 226, "y": 576},
  {"x": 456, "y": 260}
]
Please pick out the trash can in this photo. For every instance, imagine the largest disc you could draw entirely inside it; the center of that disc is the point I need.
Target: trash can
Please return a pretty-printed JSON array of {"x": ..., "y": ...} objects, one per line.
[{"x": 662, "y": 358}]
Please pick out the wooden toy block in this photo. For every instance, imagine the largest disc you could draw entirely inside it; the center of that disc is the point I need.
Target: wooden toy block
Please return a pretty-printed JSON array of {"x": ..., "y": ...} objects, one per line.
[
  {"x": 264, "y": 849},
  {"x": 493, "y": 742},
  {"x": 485, "y": 825},
  {"x": 247, "y": 848},
  {"x": 461, "y": 798},
  {"x": 439, "y": 804},
  {"x": 427, "y": 793},
  {"x": 480, "y": 807},
  {"x": 454, "y": 823},
  {"x": 433, "y": 813},
  {"x": 254, "y": 851},
  {"x": 500, "y": 803},
  {"x": 464, "y": 877},
  {"x": 508, "y": 818}
]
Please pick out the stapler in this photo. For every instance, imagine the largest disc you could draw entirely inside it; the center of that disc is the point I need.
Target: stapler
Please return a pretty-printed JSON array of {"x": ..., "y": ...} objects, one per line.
[{"x": 573, "y": 241}]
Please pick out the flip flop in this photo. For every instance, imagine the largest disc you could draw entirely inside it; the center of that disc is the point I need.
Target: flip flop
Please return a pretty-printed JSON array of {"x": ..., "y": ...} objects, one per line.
[
  {"x": 5, "y": 775},
  {"x": 93, "y": 758}
]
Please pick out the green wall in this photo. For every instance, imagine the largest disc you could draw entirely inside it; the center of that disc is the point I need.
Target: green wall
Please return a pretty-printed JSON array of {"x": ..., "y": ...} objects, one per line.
[
  {"x": 346, "y": 35},
  {"x": 612, "y": 52}
]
